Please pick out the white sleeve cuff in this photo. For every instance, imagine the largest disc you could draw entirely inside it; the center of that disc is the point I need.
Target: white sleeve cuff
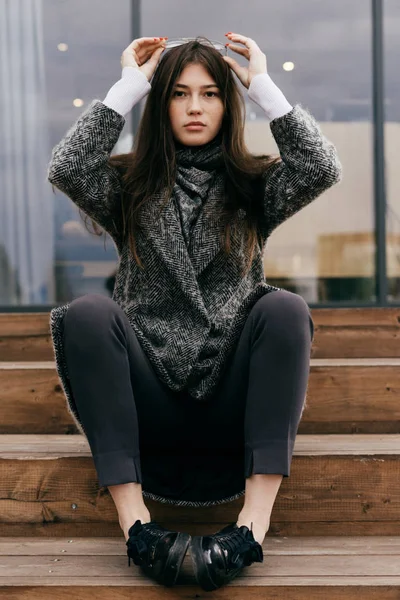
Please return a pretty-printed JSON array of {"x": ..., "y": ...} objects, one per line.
[
  {"x": 127, "y": 91},
  {"x": 266, "y": 94}
]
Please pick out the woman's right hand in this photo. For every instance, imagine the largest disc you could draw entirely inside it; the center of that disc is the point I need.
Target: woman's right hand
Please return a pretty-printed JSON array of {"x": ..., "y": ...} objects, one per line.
[{"x": 143, "y": 54}]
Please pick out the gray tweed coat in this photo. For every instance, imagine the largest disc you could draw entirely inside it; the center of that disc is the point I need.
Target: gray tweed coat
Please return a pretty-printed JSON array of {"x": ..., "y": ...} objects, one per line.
[{"x": 190, "y": 303}]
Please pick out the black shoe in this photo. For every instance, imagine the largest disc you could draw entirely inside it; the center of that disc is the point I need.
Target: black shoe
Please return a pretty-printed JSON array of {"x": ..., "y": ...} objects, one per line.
[
  {"x": 218, "y": 558},
  {"x": 158, "y": 551}
]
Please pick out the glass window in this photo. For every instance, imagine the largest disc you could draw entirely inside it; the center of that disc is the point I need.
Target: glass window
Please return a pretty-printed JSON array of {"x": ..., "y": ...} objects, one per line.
[
  {"x": 326, "y": 251},
  {"x": 56, "y": 57},
  {"x": 392, "y": 146}
]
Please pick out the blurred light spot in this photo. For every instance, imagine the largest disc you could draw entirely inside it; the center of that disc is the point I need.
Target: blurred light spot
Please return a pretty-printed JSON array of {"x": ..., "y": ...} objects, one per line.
[
  {"x": 73, "y": 229},
  {"x": 62, "y": 47},
  {"x": 288, "y": 66},
  {"x": 78, "y": 102}
]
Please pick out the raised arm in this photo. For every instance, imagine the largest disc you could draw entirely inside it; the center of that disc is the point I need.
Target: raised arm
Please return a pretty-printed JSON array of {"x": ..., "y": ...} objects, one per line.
[
  {"x": 79, "y": 162},
  {"x": 309, "y": 165}
]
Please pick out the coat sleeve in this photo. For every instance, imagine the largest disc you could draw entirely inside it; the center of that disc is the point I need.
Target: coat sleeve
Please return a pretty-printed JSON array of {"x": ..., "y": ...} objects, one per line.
[
  {"x": 309, "y": 165},
  {"x": 79, "y": 166}
]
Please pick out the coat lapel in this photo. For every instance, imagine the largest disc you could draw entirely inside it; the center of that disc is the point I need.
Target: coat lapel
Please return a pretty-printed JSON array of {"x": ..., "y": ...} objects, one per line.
[
  {"x": 205, "y": 241},
  {"x": 162, "y": 236}
]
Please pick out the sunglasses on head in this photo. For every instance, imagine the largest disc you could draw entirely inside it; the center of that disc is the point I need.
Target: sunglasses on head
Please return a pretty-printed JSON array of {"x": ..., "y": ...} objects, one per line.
[{"x": 172, "y": 43}]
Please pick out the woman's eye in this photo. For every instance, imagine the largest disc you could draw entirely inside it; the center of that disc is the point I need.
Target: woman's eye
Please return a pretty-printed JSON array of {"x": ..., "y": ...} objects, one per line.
[{"x": 179, "y": 92}]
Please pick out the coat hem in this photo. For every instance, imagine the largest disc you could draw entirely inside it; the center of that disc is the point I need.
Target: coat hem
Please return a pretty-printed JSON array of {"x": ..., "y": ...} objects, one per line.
[{"x": 192, "y": 503}]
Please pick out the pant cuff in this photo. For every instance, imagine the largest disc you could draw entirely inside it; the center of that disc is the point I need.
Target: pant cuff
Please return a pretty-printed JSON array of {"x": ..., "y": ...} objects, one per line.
[
  {"x": 273, "y": 456},
  {"x": 117, "y": 466}
]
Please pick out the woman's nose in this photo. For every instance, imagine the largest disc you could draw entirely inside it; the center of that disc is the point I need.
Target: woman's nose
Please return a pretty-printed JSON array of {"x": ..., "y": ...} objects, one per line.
[{"x": 194, "y": 104}]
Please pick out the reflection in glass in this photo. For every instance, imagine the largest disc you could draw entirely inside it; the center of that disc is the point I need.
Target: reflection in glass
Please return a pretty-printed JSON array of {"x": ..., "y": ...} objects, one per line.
[
  {"x": 319, "y": 55},
  {"x": 392, "y": 146},
  {"x": 55, "y": 58},
  {"x": 325, "y": 252},
  {"x": 26, "y": 213}
]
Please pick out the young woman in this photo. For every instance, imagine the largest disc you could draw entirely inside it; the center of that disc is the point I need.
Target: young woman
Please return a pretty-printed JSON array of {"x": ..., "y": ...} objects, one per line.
[{"x": 191, "y": 381}]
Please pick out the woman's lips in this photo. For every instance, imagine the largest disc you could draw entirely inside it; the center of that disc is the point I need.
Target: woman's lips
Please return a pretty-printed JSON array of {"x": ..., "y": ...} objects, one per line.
[{"x": 194, "y": 127}]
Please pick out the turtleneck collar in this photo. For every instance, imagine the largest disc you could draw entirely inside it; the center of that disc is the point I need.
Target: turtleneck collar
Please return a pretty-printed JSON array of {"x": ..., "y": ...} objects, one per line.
[{"x": 206, "y": 157}]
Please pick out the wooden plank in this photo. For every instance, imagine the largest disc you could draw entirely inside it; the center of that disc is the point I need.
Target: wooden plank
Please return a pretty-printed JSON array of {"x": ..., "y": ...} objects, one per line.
[
  {"x": 377, "y": 552},
  {"x": 356, "y": 332},
  {"x": 345, "y": 317},
  {"x": 37, "y": 324},
  {"x": 288, "y": 546},
  {"x": 32, "y": 400},
  {"x": 55, "y": 446},
  {"x": 305, "y": 588},
  {"x": 314, "y": 362},
  {"x": 352, "y": 399},
  {"x": 339, "y": 332},
  {"x": 25, "y": 336},
  {"x": 353, "y": 342},
  {"x": 21, "y": 324},
  {"x": 344, "y": 396},
  {"x": 282, "y": 528},
  {"x": 102, "y": 564},
  {"x": 334, "y": 481},
  {"x": 110, "y": 566},
  {"x": 45, "y": 365},
  {"x": 278, "y": 529},
  {"x": 241, "y": 581},
  {"x": 336, "y": 362}
]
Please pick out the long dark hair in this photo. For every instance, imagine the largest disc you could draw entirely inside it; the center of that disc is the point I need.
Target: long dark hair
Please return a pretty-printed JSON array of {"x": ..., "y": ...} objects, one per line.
[{"x": 150, "y": 167}]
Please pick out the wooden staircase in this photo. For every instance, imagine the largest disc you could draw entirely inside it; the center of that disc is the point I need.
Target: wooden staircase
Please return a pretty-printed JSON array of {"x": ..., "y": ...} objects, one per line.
[{"x": 335, "y": 525}]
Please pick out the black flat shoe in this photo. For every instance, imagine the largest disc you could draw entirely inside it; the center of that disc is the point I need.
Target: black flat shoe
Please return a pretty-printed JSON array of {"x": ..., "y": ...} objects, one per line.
[
  {"x": 158, "y": 551},
  {"x": 219, "y": 558}
]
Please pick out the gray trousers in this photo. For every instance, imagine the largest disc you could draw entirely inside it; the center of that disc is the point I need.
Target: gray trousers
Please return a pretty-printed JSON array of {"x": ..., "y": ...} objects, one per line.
[{"x": 137, "y": 427}]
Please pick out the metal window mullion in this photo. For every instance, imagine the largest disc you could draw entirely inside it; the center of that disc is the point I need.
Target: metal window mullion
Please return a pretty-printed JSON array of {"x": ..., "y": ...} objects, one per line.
[{"x": 378, "y": 99}]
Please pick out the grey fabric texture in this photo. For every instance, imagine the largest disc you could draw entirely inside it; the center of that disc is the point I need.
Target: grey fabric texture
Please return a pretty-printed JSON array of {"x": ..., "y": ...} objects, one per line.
[
  {"x": 190, "y": 302},
  {"x": 197, "y": 168}
]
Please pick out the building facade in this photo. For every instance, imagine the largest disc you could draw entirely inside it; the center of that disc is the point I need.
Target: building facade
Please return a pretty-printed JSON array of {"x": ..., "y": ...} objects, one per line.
[{"x": 337, "y": 59}]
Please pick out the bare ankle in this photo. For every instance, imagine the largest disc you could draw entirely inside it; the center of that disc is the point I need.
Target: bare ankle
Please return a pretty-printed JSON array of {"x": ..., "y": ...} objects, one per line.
[
  {"x": 258, "y": 523},
  {"x": 127, "y": 522},
  {"x": 262, "y": 518},
  {"x": 130, "y": 506}
]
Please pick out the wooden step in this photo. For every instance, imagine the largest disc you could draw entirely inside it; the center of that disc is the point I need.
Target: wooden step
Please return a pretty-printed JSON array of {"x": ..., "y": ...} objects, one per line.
[
  {"x": 307, "y": 568},
  {"x": 356, "y": 332},
  {"x": 344, "y": 396},
  {"x": 339, "y": 332},
  {"x": 339, "y": 485}
]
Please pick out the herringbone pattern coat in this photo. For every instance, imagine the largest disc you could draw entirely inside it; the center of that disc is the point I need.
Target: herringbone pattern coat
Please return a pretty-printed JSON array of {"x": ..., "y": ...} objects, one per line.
[{"x": 190, "y": 303}]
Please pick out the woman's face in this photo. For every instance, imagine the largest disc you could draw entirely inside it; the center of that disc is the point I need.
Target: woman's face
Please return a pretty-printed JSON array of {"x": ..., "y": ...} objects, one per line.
[{"x": 195, "y": 97}]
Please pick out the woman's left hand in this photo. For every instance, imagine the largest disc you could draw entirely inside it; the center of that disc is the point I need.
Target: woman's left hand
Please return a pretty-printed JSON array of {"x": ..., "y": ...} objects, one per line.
[{"x": 257, "y": 59}]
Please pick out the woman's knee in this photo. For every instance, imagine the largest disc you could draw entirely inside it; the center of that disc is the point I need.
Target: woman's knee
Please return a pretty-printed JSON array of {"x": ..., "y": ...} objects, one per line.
[
  {"x": 89, "y": 312},
  {"x": 285, "y": 313}
]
